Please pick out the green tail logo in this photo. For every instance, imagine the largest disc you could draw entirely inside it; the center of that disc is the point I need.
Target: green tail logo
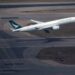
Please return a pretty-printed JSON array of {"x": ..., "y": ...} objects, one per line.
[{"x": 14, "y": 24}]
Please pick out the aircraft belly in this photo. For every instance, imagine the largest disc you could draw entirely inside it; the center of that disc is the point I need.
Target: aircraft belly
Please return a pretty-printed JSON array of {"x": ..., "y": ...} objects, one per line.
[{"x": 28, "y": 29}]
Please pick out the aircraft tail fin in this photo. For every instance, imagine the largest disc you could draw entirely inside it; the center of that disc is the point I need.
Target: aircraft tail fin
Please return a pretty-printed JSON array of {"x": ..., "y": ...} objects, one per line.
[{"x": 14, "y": 25}]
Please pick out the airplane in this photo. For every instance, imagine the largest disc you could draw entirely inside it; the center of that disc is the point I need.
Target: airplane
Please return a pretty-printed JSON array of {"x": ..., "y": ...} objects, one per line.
[{"x": 55, "y": 25}]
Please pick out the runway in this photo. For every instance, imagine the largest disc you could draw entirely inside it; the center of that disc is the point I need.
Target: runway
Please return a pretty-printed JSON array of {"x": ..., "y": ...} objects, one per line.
[
  {"x": 18, "y": 50},
  {"x": 48, "y": 42},
  {"x": 37, "y": 4}
]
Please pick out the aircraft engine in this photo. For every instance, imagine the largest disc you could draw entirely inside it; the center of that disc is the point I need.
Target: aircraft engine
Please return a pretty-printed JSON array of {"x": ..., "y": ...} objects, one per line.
[{"x": 55, "y": 27}]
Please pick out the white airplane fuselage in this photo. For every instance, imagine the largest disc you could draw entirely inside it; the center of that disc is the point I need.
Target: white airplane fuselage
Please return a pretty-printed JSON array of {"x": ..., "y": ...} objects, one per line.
[{"x": 45, "y": 25}]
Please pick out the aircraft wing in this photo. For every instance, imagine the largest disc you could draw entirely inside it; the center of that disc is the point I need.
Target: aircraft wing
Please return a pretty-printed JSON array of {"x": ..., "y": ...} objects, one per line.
[{"x": 36, "y": 21}]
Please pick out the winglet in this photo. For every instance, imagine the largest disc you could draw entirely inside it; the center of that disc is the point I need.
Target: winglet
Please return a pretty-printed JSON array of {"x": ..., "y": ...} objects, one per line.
[{"x": 36, "y": 21}]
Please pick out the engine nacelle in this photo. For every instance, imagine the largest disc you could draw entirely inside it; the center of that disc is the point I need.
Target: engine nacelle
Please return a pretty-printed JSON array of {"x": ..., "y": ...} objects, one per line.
[{"x": 55, "y": 27}]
